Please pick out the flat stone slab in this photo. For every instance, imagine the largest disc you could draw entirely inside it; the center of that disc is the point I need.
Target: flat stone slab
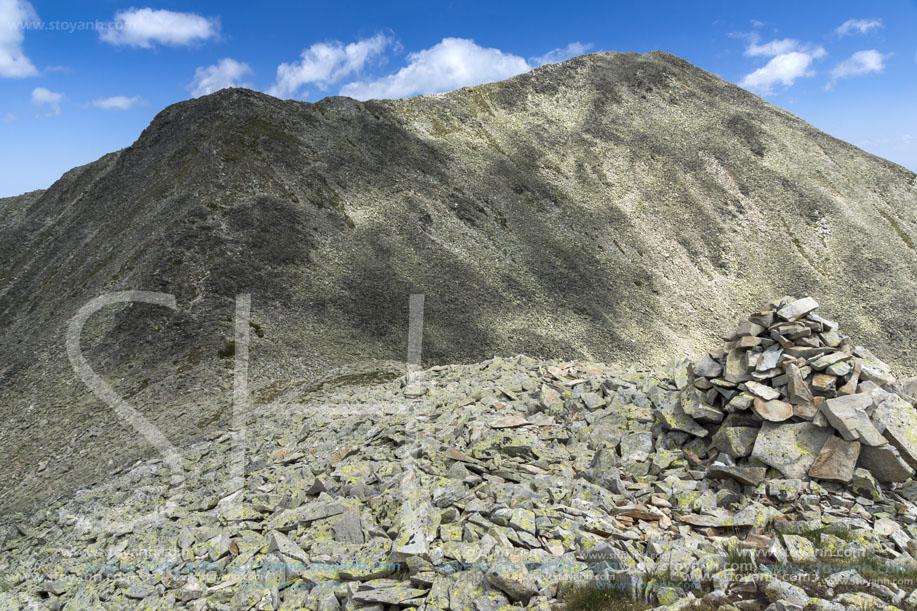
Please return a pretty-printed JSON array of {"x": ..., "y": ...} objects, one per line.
[
  {"x": 797, "y": 388},
  {"x": 896, "y": 419},
  {"x": 773, "y": 411},
  {"x": 797, "y": 309},
  {"x": 836, "y": 461},
  {"x": 735, "y": 366},
  {"x": 827, "y": 360},
  {"x": 848, "y": 415},
  {"x": 790, "y": 448},
  {"x": 874, "y": 369},
  {"x": 760, "y": 390}
]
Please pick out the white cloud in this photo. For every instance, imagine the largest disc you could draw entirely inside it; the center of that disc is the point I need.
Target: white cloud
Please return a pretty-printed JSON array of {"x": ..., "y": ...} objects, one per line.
[
  {"x": 558, "y": 55},
  {"x": 790, "y": 60},
  {"x": 42, "y": 97},
  {"x": 8, "y": 118},
  {"x": 772, "y": 48},
  {"x": 118, "y": 102},
  {"x": 13, "y": 62},
  {"x": 858, "y": 64},
  {"x": 784, "y": 69},
  {"x": 450, "y": 64},
  {"x": 327, "y": 63},
  {"x": 145, "y": 27},
  {"x": 858, "y": 26},
  {"x": 227, "y": 73}
]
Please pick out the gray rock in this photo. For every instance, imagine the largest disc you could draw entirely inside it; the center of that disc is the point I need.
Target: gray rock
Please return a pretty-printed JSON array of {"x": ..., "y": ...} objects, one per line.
[
  {"x": 747, "y": 476},
  {"x": 735, "y": 366},
  {"x": 327, "y": 601},
  {"x": 694, "y": 405},
  {"x": 348, "y": 527},
  {"x": 677, "y": 420},
  {"x": 517, "y": 588},
  {"x": 770, "y": 358},
  {"x": 799, "y": 548},
  {"x": 444, "y": 496},
  {"x": 827, "y": 360},
  {"x": 797, "y": 309},
  {"x": 707, "y": 367},
  {"x": 741, "y": 402},
  {"x": 781, "y": 591},
  {"x": 896, "y": 419},
  {"x": 846, "y": 578},
  {"x": 797, "y": 388},
  {"x": 860, "y": 600},
  {"x": 848, "y": 415},
  {"x": 636, "y": 442},
  {"x": 760, "y": 390},
  {"x": 278, "y": 542},
  {"x": 400, "y": 595},
  {"x": 885, "y": 463},
  {"x": 790, "y": 448},
  {"x": 863, "y": 483},
  {"x": 874, "y": 370},
  {"x": 736, "y": 441}
]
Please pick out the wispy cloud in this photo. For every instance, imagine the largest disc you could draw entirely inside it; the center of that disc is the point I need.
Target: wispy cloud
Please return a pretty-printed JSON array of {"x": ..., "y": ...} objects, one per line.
[
  {"x": 327, "y": 63},
  {"x": 8, "y": 118},
  {"x": 772, "y": 48},
  {"x": 558, "y": 55},
  {"x": 858, "y": 26},
  {"x": 790, "y": 60},
  {"x": 227, "y": 73},
  {"x": 13, "y": 61},
  {"x": 118, "y": 102},
  {"x": 146, "y": 27},
  {"x": 858, "y": 64},
  {"x": 45, "y": 98}
]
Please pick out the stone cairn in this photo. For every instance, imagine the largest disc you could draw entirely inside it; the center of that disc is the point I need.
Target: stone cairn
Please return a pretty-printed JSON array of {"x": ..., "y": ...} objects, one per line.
[{"x": 790, "y": 392}]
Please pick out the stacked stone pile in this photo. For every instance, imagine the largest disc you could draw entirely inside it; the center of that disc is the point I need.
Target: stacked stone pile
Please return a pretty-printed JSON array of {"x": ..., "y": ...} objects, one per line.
[{"x": 789, "y": 391}]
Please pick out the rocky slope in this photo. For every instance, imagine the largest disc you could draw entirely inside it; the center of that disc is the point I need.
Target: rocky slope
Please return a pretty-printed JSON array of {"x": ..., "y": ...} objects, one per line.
[
  {"x": 614, "y": 207},
  {"x": 494, "y": 486}
]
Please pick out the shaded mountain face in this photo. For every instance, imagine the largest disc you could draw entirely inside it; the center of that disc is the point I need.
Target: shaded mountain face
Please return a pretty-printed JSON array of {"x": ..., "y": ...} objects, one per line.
[{"x": 614, "y": 207}]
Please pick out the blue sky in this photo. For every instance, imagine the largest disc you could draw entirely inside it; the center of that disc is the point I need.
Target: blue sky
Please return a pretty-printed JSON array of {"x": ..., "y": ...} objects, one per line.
[{"x": 79, "y": 79}]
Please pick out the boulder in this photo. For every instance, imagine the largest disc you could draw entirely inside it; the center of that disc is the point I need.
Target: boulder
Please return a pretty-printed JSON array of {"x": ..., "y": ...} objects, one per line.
[
  {"x": 790, "y": 448},
  {"x": 885, "y": 463},
  {"x": 848, "y": 415},
  {"x": 736, "y": 441},
  {"x": 836, "y": 460},
  {"x": 896, "y": 419}
]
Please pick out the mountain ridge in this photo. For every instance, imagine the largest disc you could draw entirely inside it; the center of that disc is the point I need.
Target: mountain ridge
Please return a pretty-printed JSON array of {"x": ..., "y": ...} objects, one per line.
[{"x": 614, "y": 207}]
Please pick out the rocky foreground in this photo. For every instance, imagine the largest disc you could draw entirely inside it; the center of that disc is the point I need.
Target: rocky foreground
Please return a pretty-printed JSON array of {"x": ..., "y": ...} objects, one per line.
[{"x": 774, "y": 473}]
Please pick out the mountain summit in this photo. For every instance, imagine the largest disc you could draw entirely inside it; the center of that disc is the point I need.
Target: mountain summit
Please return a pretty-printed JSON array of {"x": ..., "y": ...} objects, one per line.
[{"x": 613, "y": 207}]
